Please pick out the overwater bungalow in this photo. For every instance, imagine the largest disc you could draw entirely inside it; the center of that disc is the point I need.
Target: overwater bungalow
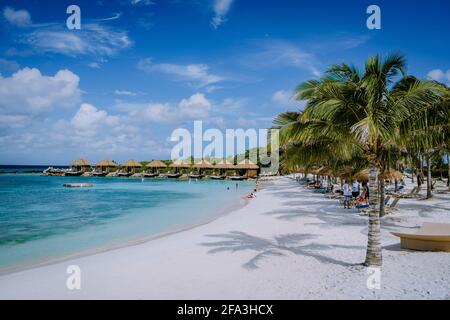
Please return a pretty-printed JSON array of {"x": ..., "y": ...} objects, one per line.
[
  {"x": 128, "y": 168},
  {"x": 201, "y": 167},
  {"x": 178, "y": 165},
  {"x": 251, "y": 169},
  {"x": 154, "y": 166},
  {"x": 222, "y": 167},
  {"x": 78, "y": 167},
  {"x": 103, "y": 167}
]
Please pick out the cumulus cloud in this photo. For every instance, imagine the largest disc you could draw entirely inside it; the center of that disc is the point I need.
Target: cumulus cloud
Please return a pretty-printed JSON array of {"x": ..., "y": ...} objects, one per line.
[
  {"x": 29, "y": 92},
  {"x": 89, "y": 119},
  {"x": 440, "y": 76},
  {"x": 198, "y": 73},
  {"x": 93, "y": 38},
  {"x": 195, "y": 107},
  {"x": 220, "y": 8},
  {"x": 19, "y": 18}
]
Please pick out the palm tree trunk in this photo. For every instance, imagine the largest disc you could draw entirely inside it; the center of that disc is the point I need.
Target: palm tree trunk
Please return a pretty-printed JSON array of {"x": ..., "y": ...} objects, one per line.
[
  {"x": 427, "y": 158},
  {"x": 373, "y": 254},
  {"x": 381, "y": 183}
]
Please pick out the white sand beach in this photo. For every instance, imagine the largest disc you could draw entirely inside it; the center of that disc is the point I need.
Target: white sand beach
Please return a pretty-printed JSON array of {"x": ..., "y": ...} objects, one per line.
[{"x": 287, "y": 243}]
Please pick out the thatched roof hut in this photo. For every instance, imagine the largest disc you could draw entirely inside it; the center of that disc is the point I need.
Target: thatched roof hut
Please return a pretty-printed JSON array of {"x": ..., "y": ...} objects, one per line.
[
  {"x": 224, "y": 164},
  {"x": 179, "y": 164},
  {"x": 156, "y": 164},
  {"x": 131, "y": 164},
  {"x": 363, "y": 175},
  {"x": 106, "y": 163},
  {"x": 80, "y": 163},
  {"x": 203, "y": 165},
  {"x": 247, "y": 164}
]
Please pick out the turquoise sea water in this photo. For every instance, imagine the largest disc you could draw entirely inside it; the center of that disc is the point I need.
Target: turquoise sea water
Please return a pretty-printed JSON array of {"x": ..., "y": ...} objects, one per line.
[{"x": 41, "y": 220}]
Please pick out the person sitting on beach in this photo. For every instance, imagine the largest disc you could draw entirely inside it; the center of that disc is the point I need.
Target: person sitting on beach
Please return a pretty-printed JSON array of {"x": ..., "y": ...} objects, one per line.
[{"x": 347, "y": 195}]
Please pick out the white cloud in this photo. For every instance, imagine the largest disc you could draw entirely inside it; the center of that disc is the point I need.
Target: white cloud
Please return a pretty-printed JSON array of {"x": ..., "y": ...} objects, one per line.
[
  {"x": 195, "y": 107},
  {"x": 141, "y": 2},
  {"x": 124, "y": 93},
  {"x": 28, "y": 92},
  {"x": 89, "y": 119},
  {"x": 283, "y": 98},
  {"x": 199, "y": 73},
  {"x": 220, "y": 8},
  {"x": 92, "y": 39},
  {"x": 440, "y": 76},
  {"x": 18, "y": 18},
  {"x": 283, "y": 53}
]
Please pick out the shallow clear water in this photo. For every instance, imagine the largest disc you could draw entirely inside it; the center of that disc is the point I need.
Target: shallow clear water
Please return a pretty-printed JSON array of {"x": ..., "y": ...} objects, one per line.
[{"x": 41, "y": 220}]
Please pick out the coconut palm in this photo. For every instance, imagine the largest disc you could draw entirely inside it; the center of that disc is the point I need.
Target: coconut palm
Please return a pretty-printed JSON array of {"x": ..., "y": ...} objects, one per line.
[{"x": 363, "y": 113}]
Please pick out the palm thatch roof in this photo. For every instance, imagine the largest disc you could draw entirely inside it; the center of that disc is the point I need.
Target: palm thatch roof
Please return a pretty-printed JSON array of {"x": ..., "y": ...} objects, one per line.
[
  {"x": 363, "y": 175},
  {"x": 106, "y": 163},
  {"x": 80, "y": 163},
  {"x": 132, "y": 164},
  {"x": 156, "y": 164},
  {"x": 224, "y": 164},
  {"x": 203, "y": 165},
  {"x": 179, "y": 164},
  {"x": 246, "y": 164}
]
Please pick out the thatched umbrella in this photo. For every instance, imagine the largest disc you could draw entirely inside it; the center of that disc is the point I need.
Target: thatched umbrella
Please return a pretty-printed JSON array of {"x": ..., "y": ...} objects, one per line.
[
  {"x": 105, "y": 164},
  {"x": 131, "y": 165},
  {"x": 363, "y": 175},
  {"x": 156, "y": 164},
  {"x": 80, "y": 164}
]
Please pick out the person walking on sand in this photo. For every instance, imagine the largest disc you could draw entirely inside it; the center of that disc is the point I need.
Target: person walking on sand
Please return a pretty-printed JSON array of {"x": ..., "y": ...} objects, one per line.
[{"x": 347, "y": 195}]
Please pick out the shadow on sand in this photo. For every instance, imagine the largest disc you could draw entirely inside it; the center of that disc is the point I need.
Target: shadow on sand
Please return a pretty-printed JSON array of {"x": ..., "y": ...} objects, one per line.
[{"x": 277, "y": 246}]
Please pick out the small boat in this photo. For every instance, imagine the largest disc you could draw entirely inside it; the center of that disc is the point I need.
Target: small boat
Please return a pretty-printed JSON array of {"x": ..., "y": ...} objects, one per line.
[
  {"x": 217, "y": 177},
  {"x": 195, "y": 176},
  {"x": 73, "y": 173},
  {"x": 149, "y": 175},
  {"x": 99, "y": 173},
  {"x": 173, "y": 175},
  {"x": 236, "y": 177},
  {"x": 77, "y": 185}
]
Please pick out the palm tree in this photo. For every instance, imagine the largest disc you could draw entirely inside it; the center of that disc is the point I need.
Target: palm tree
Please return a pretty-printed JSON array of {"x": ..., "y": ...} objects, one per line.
[{"x": 364, "y": 114}]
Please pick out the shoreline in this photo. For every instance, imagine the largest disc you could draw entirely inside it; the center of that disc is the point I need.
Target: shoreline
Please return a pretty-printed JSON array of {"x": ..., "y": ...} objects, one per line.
[
  {"x": 239, "y": 203},
  {"x": 287, "y": 243}
]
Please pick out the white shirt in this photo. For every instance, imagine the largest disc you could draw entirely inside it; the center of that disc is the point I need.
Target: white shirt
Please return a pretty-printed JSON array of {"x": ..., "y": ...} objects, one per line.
[
  {"x": 355, "y": 186},
  {"x": 346, "y": 189}
]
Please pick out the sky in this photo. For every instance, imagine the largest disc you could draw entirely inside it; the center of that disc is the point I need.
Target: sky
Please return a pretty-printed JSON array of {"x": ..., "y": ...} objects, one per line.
[{"x": 139, "y": 69}]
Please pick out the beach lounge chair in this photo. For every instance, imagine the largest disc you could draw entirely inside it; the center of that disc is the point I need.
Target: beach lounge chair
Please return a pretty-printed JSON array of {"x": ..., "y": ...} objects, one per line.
[
  {"x": 412, "y": 194},
  {"x": 430, "y": 237}
]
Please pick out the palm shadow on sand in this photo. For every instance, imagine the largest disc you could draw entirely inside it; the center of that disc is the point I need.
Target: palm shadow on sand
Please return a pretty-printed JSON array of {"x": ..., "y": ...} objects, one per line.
[{"x": 235, "y": 241}]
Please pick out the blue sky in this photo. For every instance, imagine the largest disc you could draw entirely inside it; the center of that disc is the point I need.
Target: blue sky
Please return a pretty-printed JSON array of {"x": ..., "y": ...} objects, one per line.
[{"x": 139, "y": 69}]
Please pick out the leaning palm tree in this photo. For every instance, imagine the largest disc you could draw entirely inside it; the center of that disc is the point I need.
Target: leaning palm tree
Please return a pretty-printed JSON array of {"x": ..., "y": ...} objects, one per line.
[{"x": 367, "y": 111}]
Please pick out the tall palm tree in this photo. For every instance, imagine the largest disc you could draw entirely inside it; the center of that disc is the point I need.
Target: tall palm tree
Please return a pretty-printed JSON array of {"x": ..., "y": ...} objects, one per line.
[{"x": 364, "y": 112}]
